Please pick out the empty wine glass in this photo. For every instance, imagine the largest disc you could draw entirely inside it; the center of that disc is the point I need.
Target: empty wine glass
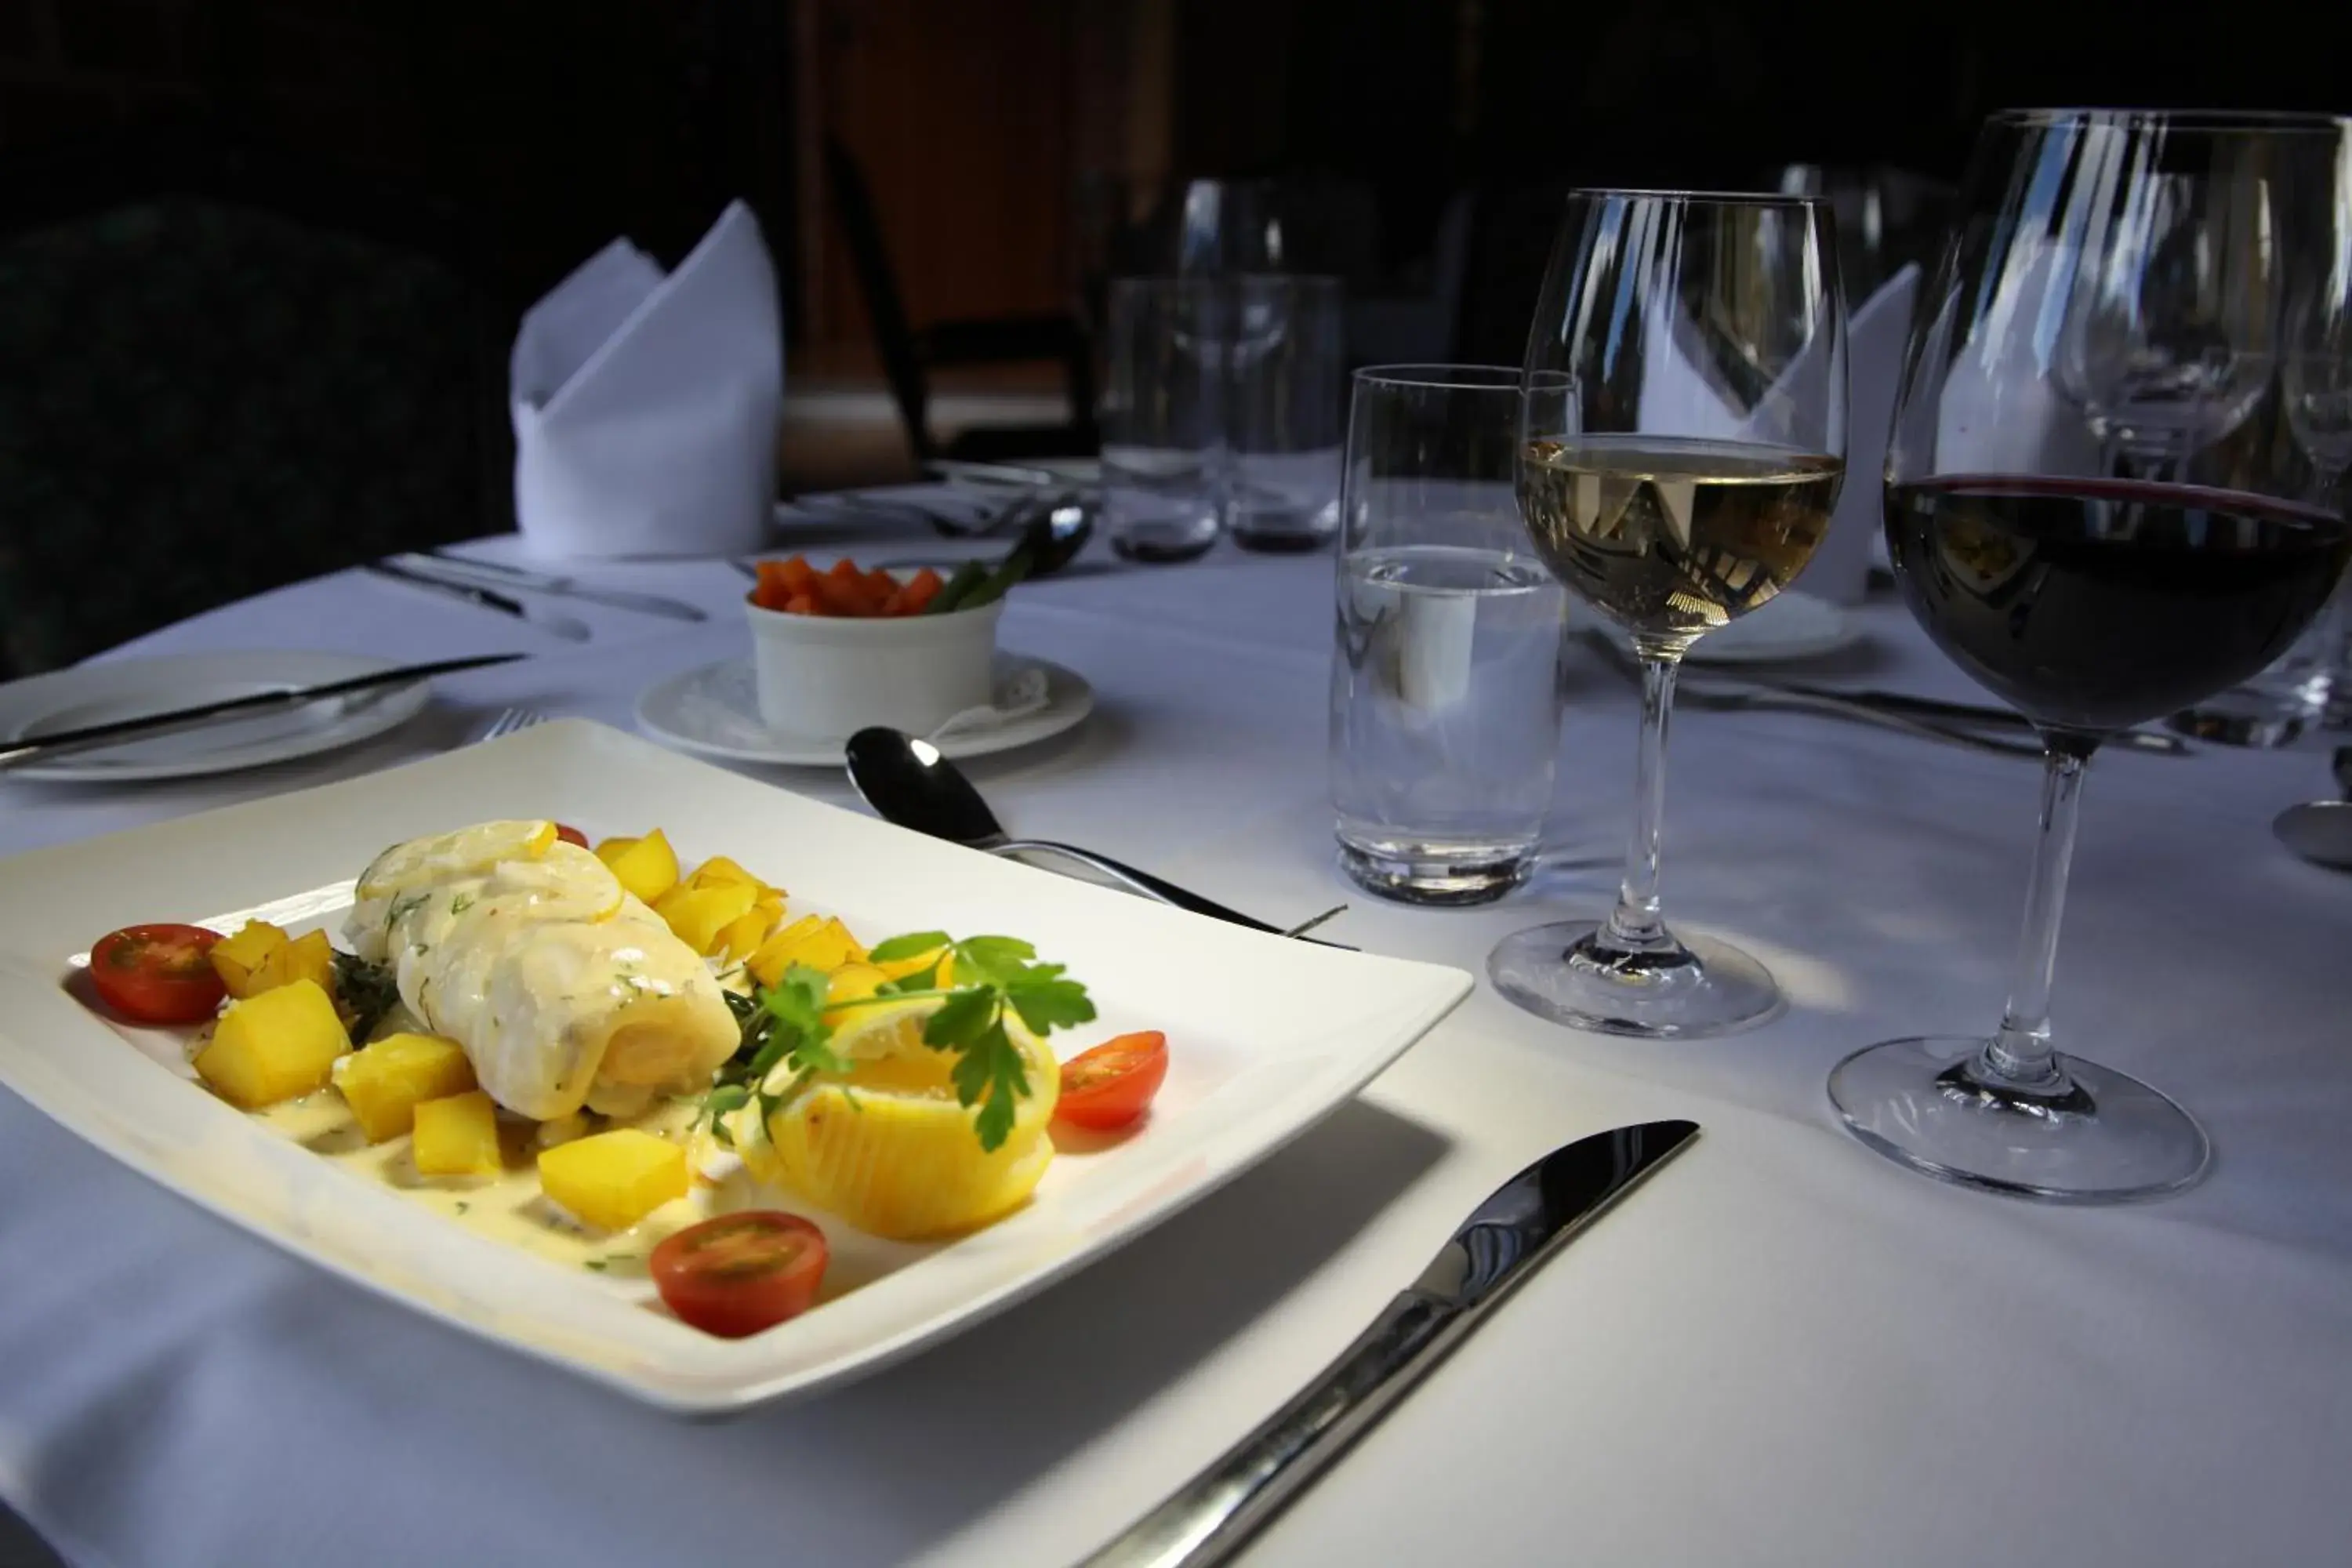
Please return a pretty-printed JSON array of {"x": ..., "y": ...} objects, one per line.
[
  {"x": 2317, "y": 381},
  {"x": 1706, "y": 338},
  {"x": 2096, "y": 507},
  {"x": 2169, "y": 325}
]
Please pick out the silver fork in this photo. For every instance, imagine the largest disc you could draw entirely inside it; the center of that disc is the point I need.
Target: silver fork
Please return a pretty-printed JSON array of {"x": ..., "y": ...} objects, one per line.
[{"x": 508, "y": 721}]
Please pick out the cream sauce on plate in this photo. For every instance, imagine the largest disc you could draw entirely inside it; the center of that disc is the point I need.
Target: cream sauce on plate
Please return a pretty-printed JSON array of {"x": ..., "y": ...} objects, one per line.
[{"x": 509, "y": 1207}]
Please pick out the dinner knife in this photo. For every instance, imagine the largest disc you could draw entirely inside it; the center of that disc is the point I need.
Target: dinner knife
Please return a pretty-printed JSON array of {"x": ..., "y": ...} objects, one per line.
[
  {"x": 2153, "y": 741},
  {"x": 62, "y": 742},
  {"x": 571, "y": 628},
  {"x": 1528, "y": 1218},
  {"x": 465, "y": 568}
]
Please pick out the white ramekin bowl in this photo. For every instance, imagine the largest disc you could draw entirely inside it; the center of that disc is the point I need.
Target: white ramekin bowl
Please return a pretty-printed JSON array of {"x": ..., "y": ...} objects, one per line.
[{"x": 829, "y": 676}]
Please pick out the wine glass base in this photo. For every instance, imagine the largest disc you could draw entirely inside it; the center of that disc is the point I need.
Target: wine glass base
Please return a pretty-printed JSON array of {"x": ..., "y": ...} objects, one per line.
[
  {"x": 2111, "y": 1140},
  {"x": 1698, "y": 988}
]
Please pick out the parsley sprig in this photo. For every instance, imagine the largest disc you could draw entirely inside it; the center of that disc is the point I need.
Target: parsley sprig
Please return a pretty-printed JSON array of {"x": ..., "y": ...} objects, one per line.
[{"x": 784, "y": 1025}]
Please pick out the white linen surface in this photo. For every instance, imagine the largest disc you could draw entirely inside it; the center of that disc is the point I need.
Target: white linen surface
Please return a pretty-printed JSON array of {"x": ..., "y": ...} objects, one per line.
[
  {"x": 645, "y": 405},
  {"x": 1783, "y": 1351}
]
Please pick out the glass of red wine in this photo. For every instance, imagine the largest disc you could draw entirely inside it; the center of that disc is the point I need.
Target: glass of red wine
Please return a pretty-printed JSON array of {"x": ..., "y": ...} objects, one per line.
[{"x": 2098, "y": 505}]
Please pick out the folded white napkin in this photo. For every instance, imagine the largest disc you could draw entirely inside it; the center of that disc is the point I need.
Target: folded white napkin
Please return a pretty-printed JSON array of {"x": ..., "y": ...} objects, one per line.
[
  {"x": 1681, "y": 391},
  {"x": 1875, "y": 336},
  {"x": 645, "y": 405}
]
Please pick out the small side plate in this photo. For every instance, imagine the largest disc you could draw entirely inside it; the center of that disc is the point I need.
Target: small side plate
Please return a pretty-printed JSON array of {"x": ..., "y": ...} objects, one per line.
[
  {"x": 130, "y": 687},
  {"x": 714, "y": 711},
  {"x": 1794, "y": 625}
]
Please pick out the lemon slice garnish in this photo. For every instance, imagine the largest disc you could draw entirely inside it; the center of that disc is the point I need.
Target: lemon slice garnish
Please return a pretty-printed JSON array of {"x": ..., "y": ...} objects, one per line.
[
  {"x": 886, "y": 1147},
  {"x": 566, "y": 883},
  {"x": 442, "y": 857}
]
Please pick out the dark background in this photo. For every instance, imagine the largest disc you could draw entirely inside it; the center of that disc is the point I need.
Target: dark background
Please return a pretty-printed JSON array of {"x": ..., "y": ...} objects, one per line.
[
  {"x": 261, "y": 260},
  {"x": 517, "y": 135}
]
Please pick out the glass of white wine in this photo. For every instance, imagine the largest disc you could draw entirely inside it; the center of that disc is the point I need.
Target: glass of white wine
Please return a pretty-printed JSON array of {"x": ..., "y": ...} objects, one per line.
[{"x": 1706, "y": 335}]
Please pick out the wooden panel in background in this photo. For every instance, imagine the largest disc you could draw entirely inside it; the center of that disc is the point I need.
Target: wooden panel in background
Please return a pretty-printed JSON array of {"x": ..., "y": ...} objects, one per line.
[{"x": 960, "y": 116}]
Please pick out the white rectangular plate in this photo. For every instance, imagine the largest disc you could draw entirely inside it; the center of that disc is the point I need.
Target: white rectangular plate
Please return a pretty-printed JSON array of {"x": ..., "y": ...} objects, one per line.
[{"x": 1266, "y": 1038}]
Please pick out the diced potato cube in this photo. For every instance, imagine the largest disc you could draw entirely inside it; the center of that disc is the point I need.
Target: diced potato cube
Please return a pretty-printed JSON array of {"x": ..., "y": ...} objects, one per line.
[
  {"x": 719, "y": 869},
  {"x": 613, "y": 1179},
  {"x": 824, "y": 945},
  {"x": 385, "y": 1083},
  {"x": 741, "y": 937},
  {"x": 239, "y": 958},
  {"x": 273, "y": 1045},
  {"x": 646, "y": 867},
  {"x": 780, "y": 951},
  {"x": 307, "y": 957},
  {"x": 698, "y": 914},
  {"x": 456, "y": 1136}
]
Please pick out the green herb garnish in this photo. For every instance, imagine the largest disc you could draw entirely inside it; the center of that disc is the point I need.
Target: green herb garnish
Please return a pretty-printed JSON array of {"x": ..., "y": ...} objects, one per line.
[
  {"x": 461, "y": 903},
  {"x": 784, "y": 1026},
  {"x": 364, "y": 992}
]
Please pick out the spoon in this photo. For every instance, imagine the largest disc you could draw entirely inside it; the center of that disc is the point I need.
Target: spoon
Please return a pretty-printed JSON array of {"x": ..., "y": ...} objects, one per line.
[
  {"x": 908, "y": 782},
  {"x": 1054, "y": 528},
  {"x": 2321, "y": 830}
]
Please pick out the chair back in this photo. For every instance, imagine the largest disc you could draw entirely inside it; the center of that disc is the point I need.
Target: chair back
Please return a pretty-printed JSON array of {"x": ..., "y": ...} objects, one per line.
[{"x": 877, "y": 285}]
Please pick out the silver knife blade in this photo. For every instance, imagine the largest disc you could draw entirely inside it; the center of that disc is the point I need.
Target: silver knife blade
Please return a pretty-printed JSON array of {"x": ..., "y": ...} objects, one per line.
[
  {"x": 1528, "y": 1219},
  {"x": 63, "y": 742},
  {"x": 571, "y": 628},
  {"x": 467, "y": 569}
]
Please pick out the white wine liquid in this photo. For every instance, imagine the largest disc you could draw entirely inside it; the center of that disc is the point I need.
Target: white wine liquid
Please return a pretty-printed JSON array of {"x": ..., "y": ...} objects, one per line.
[{"x": 1672, "y": 537}]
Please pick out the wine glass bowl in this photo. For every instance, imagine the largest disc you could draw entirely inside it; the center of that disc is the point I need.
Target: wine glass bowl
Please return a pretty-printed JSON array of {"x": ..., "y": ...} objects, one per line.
[
  {"x": 2169, "y": 333},
  {"x": 2104, "y": 505},
  {"x": 1706, "y": 338}
]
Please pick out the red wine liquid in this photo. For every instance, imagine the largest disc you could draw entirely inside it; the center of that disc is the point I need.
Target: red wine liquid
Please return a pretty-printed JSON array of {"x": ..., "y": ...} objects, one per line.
[{"x": 2092, "y": 605}]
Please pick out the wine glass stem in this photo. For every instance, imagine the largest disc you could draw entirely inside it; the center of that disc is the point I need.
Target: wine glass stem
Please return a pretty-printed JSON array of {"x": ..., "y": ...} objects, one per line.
[
  {"x": 2019, "y": 1056},
  {"x": 1634, "y": 925}
]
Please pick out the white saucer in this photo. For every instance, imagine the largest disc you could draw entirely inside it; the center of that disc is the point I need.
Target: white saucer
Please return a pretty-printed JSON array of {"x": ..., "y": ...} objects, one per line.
[
  {"x": 1793, "y": 625},
  {"x": 715, "y": 712},
  {"x": 130, "y": 687}
]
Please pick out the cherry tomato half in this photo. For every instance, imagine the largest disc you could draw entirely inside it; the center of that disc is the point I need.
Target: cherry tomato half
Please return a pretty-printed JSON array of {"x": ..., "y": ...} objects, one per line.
[
  {"x": 157, "y": 973},
  {"x": 571, "y": 835},
  {"x": 1105, "y": 1089},
  {"x": 741, "y": 1273}
]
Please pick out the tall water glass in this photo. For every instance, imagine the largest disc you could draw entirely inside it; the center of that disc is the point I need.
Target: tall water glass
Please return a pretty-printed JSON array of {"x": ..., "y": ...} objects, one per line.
[
  {"x": 1444, "y": 688},
  {"x": 1283, "y": 412},
  {"x": 1163, "y": 416}
]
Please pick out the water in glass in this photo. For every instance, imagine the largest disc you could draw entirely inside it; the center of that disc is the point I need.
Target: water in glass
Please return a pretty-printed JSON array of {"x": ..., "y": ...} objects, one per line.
[{"x": 1444, "y": 716}]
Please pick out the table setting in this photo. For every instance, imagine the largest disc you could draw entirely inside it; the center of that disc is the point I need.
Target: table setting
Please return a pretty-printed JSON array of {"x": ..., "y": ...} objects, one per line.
[{"x": 1374, "y": 1136}]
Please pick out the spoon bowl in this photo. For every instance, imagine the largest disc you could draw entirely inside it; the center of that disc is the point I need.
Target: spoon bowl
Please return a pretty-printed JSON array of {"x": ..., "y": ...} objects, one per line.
[
  {"x": 1054, "y": 528},
  {"x": 2318, "y": 830},
  {"x": 2321, "y": 830},
  {"x": 907, "y": 781}
]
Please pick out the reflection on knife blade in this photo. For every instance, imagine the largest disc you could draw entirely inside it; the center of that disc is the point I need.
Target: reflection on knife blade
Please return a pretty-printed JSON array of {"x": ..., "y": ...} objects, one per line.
[
  {"x": 569, "y": 627},
  {"x": 466, "y": 568},
  {"x": 64, "y": 742},
  {"x": 1527, "y": 1219}
]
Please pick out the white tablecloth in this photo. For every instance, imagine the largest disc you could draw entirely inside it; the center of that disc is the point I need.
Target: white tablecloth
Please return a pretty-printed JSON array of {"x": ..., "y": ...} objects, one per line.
[{"x": 1784, "y": 1350}]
